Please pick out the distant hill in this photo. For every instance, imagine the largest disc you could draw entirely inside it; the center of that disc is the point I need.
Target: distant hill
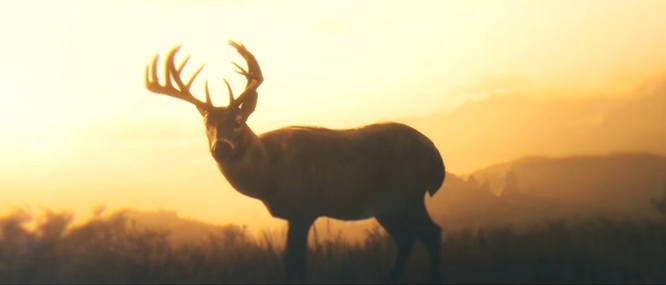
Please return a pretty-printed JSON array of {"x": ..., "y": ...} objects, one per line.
[
  {"x": 533, "y": 189},
  {"x": 617, "y": 184},
  {"x": 505, "y": 127},
  {"x": 181, "y": 230},
  {"x": 524, "y": 192}
]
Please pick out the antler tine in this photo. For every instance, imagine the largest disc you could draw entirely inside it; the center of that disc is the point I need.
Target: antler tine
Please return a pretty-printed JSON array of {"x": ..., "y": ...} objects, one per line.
[
  {"x": 180, "y": 69},
  {"x": 231, "y": 92},
  {"x": 242, "y": 70},
  {"x": 171, "y": 72},
  {"x": 208, "y": 101},
  {"x": 151, "y": 77},
  {"x": 252, "y": 74},
  {"x": 171, "y": 66},
  {"x": 182, "y": 65}
]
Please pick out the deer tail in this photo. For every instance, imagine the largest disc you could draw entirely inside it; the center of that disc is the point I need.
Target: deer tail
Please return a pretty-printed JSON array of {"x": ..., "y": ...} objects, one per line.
[{"x": 438, "y": 174}]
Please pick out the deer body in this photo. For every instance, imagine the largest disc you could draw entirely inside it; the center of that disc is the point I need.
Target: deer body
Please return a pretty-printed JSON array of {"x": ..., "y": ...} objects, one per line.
[
  {"x": 303, "y": 173},
  {"x": 343, "y": 174}
]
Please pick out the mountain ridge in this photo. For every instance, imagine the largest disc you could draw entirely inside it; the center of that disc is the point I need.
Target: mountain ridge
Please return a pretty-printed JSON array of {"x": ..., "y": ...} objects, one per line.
[
  {"x": 487, "y": 198},
  {"x": 503, "y": 127}
]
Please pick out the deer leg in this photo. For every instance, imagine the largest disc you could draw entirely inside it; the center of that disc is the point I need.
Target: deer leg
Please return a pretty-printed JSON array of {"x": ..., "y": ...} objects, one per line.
[
  {"x": 430, "y": 234},
  {"x": 407, "y": 226},
  {"x": 398, "y": 228},
  {"x": 296, "y": 250}
]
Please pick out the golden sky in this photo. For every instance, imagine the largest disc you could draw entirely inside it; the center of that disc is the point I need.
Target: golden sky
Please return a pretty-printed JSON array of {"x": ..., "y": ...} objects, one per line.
[{"x": 78, "y": 128}]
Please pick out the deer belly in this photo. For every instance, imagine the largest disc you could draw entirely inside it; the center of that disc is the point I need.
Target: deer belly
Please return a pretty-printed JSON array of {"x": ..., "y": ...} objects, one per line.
[
  {"x": 341, "y": 203},
  {"x": 350, "y": 190},
  {"x": 391, "y": 202}
]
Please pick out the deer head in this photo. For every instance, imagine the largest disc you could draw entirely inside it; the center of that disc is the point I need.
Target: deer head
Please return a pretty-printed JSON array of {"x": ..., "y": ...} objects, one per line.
[{"x": 226, "y": 127}]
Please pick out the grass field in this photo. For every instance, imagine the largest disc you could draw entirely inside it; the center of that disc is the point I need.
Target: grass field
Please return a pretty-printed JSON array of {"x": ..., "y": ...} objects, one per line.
[{"x": 111, "y": 249}]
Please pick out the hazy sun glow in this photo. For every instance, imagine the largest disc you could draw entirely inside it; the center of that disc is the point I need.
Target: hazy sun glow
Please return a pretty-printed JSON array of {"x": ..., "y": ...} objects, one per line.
[{"x": 78, "y": 128}]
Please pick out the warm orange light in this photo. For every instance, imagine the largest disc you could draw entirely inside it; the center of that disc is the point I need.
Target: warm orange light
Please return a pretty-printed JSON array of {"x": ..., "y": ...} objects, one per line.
[{"x": 78, "y": 127}]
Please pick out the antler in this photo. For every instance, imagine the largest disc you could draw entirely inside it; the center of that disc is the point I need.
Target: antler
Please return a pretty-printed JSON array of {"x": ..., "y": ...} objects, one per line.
[
  {"x": 248, "y": 96},
  {"x": 183, "y": 91},
  {"x": 252, "y": 74}
]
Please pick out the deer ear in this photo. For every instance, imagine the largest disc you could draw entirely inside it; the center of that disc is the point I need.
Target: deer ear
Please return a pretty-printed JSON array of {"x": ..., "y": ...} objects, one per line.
[
  {"x": 202, "y": 111},
  {"x": 249, "y": 104}
]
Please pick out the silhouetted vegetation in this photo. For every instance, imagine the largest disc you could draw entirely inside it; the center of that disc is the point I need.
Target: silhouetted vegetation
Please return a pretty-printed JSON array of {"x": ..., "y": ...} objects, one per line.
[{"x": 113, "y": 249}]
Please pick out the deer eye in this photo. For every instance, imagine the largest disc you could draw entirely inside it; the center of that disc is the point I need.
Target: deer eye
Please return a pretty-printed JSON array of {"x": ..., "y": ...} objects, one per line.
[{"x": 238, "y": 124}]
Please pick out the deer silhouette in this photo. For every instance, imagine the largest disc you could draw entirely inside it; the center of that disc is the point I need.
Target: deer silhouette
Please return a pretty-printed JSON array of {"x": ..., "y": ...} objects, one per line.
[{"x": 302, "y": 173}]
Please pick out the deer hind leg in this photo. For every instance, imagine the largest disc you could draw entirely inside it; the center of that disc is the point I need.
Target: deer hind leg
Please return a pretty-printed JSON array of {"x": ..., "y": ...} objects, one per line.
[
  {"x": 405, "y": 228},
  {"x": 430, "y": 234},
  {"x": 295, "y": 256},
  {"x": 397, "y": 227}
]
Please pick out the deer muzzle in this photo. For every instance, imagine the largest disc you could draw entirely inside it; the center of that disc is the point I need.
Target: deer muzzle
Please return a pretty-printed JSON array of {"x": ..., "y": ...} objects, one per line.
[{"x": 222, "y": 149}]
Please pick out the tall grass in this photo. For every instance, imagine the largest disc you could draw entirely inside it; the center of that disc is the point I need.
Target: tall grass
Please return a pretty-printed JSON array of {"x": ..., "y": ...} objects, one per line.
[{"x": 113, "y": 249}]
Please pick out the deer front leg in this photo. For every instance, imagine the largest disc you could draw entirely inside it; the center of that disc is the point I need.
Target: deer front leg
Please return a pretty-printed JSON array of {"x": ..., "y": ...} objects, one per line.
[{"x": 296, "y": 250}]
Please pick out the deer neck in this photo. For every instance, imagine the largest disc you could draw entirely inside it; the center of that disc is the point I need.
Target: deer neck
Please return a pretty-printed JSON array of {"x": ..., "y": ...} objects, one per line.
[{"x": 247, "y": 171}]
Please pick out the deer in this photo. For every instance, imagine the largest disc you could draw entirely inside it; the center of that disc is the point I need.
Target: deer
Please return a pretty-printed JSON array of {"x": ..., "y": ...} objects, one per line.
[{"x": 302, "y": 173}]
